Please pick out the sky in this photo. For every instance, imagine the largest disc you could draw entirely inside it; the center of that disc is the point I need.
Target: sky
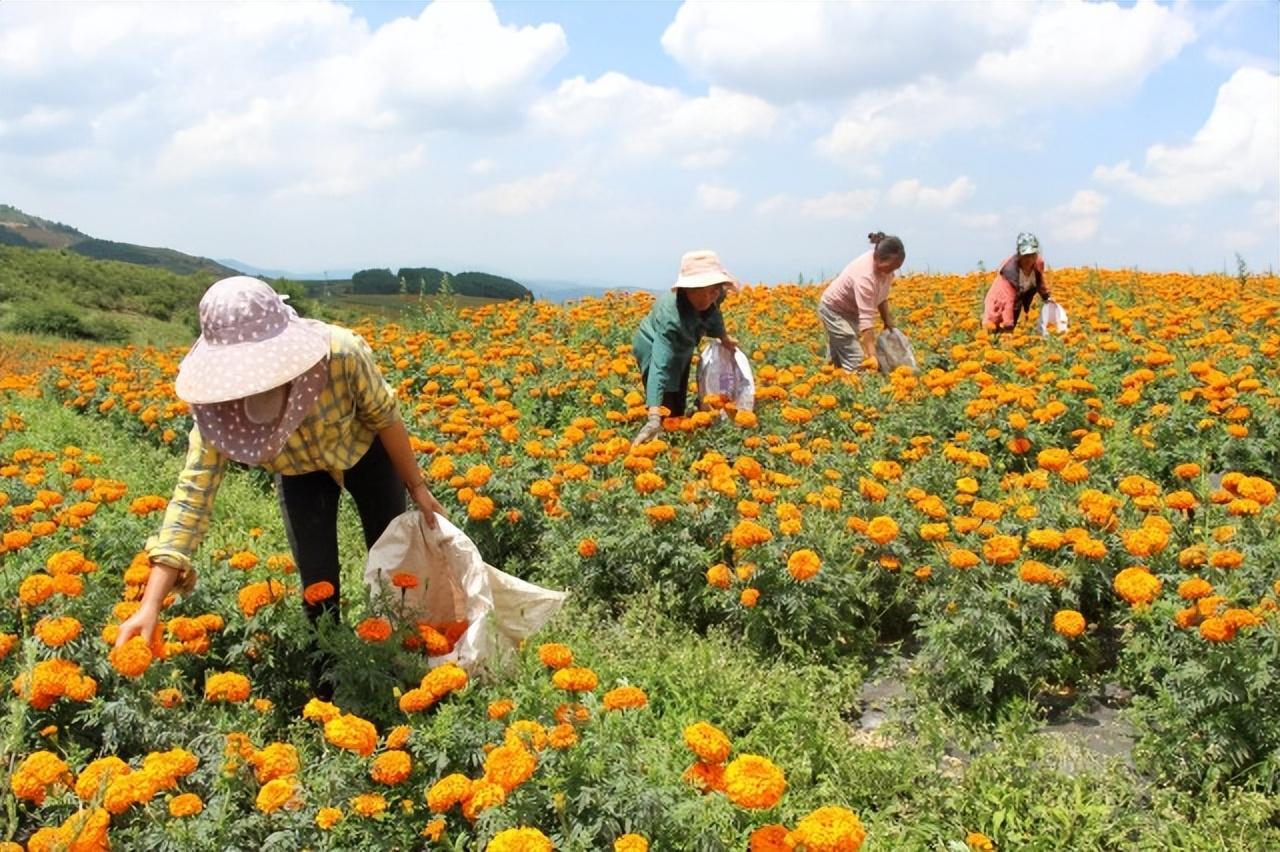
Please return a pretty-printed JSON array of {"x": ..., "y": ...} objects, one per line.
[{"x": 597, "y": 142}]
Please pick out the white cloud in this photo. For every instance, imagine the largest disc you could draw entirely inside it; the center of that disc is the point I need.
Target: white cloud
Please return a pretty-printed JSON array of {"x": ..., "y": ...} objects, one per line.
[
  {"x": 644, "y": 121},
  {"x": 1078, "y": 219},
  {"x": 811, "y": 51},
  {"x": 717, "y": 198},
  {"x": 481, "y": 167},
  {"x": 979, "y": 221},
  {"x": 1066, "y": 55},
  {"x": 1235, "y": 150},
  {"x": 1262, "y": 225},
  {"x": 912, "y": 193},
  {"x": 288, "y": 95},
  {"x": 526, "y": 194}
]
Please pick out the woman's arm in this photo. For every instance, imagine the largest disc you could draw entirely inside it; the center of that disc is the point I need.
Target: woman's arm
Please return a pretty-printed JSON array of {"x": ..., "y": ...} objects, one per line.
[
  {"x": 395, "y": 440},
  {"x": 886, "y": 315}
]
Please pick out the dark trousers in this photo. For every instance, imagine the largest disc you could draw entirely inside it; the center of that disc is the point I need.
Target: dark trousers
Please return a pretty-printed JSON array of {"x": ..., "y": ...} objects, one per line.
[
  {"x": 309, "y": 505},
  {"x": 675, "y": 400}
]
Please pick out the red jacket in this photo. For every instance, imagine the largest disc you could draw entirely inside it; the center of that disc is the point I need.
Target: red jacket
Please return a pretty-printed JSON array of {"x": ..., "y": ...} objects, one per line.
[{"x": 1004, "y": 304}]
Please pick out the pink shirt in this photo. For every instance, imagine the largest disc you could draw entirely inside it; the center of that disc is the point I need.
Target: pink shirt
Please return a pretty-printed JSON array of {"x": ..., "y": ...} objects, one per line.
[{"x": 858, "y": 291}]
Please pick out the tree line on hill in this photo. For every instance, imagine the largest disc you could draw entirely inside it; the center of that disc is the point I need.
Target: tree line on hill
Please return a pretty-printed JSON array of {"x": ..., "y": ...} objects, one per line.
[{"x": 428, "y": 281}]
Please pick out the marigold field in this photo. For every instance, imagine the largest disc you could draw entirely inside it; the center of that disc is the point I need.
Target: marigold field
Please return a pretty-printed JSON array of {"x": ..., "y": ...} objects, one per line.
[{"x": 1029, "y": 528}]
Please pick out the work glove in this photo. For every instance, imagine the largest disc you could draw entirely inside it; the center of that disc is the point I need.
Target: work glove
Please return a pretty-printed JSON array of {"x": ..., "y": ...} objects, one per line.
[{"x": 651, "y": 429}]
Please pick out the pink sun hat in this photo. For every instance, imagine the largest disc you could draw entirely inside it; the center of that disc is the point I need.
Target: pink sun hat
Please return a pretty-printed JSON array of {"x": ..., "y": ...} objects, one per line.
[
  {"x": 250, "y": 341},
  {"x": 702, "y": 268}
]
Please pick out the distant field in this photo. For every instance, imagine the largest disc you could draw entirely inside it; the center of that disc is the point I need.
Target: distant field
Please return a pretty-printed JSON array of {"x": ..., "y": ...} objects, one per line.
[{"x": 396, "y": 305}]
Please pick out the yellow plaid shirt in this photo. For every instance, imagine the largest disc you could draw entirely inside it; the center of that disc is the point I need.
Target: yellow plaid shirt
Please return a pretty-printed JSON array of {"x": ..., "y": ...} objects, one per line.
[{"x": 355, "y": 403}]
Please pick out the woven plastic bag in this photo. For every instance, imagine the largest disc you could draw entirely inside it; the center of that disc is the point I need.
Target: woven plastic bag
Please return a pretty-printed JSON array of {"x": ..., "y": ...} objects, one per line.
[
  {"x": 1053, "y": 317},
  {"x": 728, "y": 376},
  {"x": 893, "y": 350},
  {"x": 456, "y": 586}
]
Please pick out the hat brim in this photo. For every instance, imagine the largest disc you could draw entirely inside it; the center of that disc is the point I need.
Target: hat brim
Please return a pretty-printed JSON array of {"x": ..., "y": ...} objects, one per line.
[
  {"x": 219, "y": 373},
  {"x": 703, "y": 279},
  {"x": 228, "y": 428}
]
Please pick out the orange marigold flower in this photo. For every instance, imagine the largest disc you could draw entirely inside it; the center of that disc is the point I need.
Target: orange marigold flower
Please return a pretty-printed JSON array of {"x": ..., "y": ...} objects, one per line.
[
  {"x": 747, "y": 534},
  {"x": 1188, "y": 470},
  {"x": 718, "y": 576},
  {"x": 882, "y": 529},
  {"x": 1240, "y": 618},
  {"x": 749, "y": 597},
  {"x": 327, "y": 818},
  {"x": 56, "y": 632},
  {"x": 554, "y": 655},
  {"x": 321, "y": 711},
  {"x": 1227, "y": 559},
  {"x": 36, "y": 774},
  {"x": 1032, "y": 571},
  {"x": 391, "y": 768},
  {"x": 1194, "y": 588},
  {"x": 484, "y": 795},
  {"x": 374, "y": 629},
  {"x": 803, "y": 565},
  {"x": 562, "y": 736},
  {"x": 255, "y": 596},
  {"x": 1001, "y": 549},
  {"x": 706, "y": 777},
  {"x": 770, "y": 838},
  {"x": 132, "y": 658},
  {"x": 752, "y": 781},
  {"x": 625, "y": 698},
  {"x": 1068, "y": 623},
  {"x": 277, "y": 760},
  {"x": 480, "y": 508},
  {"x": 501, "y": 708},
  {"x": 588, "y": 548},
  {"x": 962, "y": 559},
  {"x": 279, "y": 793},
  {"x": 708, "y": 742},
  {"x": 979, "y": 842},
  {"x": 368, "y": 804},
  {"x": 448, "y": 791},
  {"x": 510, "y": 765},
  {"x": 1216, "y": 629},
  {"x": 352, "y": 733},
  {"x": 317, "y": 592},
  {"x": 185, "y": 805}
]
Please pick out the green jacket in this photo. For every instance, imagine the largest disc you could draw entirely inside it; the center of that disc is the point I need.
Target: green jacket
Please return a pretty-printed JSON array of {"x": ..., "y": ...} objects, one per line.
[{"x": 666, "y": 339}]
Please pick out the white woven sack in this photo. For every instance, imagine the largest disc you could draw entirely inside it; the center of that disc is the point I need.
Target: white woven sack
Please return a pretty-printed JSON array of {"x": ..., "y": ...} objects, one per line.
[
  {"x": 729, "y": 377},
  {"x": 456, "y": 584},
  {"x": 893, "y": 350},
  {"x": 1053, "y": 317}
]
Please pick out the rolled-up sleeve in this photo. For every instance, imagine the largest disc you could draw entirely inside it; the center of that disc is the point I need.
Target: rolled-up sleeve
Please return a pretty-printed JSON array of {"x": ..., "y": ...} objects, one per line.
[
  {"x": 376, "y": 404},
  {"x": 186, "y": 520}
]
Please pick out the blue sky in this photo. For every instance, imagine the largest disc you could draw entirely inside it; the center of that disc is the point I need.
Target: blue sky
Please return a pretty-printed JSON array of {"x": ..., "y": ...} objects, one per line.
[{"x": 595, "y": 142}]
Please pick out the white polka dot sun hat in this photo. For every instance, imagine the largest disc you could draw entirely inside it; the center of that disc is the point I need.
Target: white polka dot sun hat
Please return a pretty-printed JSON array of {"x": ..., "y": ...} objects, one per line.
[{"x": 251, "y": 341}]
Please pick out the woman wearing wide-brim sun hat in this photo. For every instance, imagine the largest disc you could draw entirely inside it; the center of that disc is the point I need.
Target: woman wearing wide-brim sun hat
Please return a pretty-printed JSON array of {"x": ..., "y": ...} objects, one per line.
[
  {"x": 305, "y": 401},
  {"x": 666, "y": 339},
  {"x": 1016, "y": 283}
]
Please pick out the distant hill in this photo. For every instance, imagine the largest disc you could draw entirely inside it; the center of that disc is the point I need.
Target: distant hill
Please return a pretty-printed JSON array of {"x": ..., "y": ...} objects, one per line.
[{"x": 22, "y": 229}]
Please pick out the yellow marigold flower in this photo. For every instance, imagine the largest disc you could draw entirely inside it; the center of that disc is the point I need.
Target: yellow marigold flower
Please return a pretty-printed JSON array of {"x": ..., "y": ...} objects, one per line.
[
  {"x": 320, "y": 711},
  {"x": 708, "y": 742},
  {"x": 279, "y": 793},
  {"x": 277, "y": 760},
  {"x": 577, "y": 679},
  {"x": 444, "y": 679},
  {"x": 934, "y": 532},
  {"x": 962, "y": 559},
  {"x": 979, "y": 842},
  {"x": 166, "y": 767},
  {"x": 1068, "y": 623},
  {"x": 554, "y": 655},
  {"x": 484, "y": 795},
  {"x": 882, "y": 529},
  {"x": 770, "y": 838},
  {"x": 231, "y": 687},
  {"x": 132, "y": 658},
  {"x": 752, "y": 781},
  {"x": 803, "y": 565},
  {"x": 39, "y": 771},
  {"x": 327, "y": 818},
  {"x": 647, "y": 483},
  {"x": 510, "y": 765},
  {"x": 448, "y": 791},
  {"x": 520, "y": 840},
  {"x": 93, "y": 779},
  {"x": 352, "y": 733},
  {"x": 526, "y": 732},
  {"x": 1137, "y": 585},
  {"x": 625, "y": 698},
  {"x": 368, "y": 804},
  {"x": 830, "y": 829},
  {"x": 631, "y": 843},
  {"x": 185, "y": 805}
]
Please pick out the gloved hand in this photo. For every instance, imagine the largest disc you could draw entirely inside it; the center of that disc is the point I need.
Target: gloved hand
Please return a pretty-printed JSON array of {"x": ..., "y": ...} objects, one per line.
[{"x": 651, "y": 429}]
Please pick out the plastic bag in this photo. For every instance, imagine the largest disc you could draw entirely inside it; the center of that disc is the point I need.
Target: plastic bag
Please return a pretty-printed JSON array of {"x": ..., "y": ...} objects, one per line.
[
  {"x": 1053, "y": 317},
  {"x": 728, "y": 377},
  {"x": 456, "y": 586},
  {"x": 893, "y": 350}
]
